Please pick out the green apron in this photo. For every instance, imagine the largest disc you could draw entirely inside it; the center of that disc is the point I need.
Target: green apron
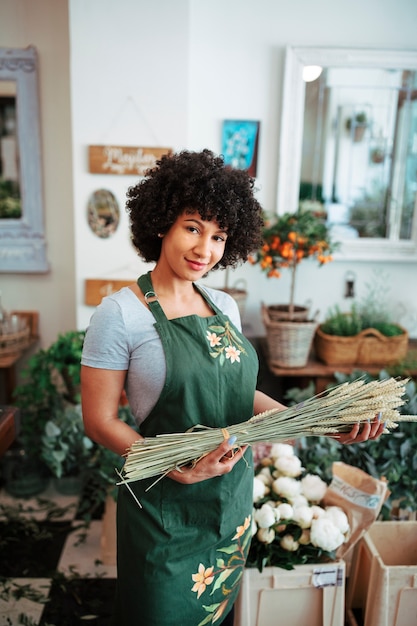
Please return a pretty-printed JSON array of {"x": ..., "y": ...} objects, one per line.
[{"x": 181, "y": 557}]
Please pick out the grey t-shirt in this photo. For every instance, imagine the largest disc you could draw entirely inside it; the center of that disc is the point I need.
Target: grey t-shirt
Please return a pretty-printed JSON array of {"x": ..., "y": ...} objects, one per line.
[{"x": 121, "y": 336}]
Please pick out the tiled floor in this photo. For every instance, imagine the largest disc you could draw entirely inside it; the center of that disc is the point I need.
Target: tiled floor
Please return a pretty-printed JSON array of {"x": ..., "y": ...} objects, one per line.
[{"x": 85, "y": 559}]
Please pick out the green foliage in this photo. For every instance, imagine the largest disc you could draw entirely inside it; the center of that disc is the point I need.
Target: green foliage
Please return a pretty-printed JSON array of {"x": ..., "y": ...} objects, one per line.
[
  {"x": 371, "y": 312},
  {"x": 52, "y": 425},
  {"x": 357, "y": 319},
  {"x": 51, "y": 381},
  {"x": 65, "y": 448},
  {"x": 359, "y": 119}
]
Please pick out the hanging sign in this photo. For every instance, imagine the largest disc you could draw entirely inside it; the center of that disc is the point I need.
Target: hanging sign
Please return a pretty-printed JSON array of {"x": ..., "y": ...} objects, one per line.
[{"x": 123, "y": 160}]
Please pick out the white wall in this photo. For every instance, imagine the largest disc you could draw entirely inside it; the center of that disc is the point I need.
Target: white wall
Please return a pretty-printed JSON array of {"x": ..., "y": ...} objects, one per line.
[
  {"x": 129, "y": 80},
  {"x": 188, "y": 65}
]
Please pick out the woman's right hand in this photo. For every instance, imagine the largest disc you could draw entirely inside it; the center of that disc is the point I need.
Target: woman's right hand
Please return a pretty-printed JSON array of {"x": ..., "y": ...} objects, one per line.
[{"x": 221, "y": 461}]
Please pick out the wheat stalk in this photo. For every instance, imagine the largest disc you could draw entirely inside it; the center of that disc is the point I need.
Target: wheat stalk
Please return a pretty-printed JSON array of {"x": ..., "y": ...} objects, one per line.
[{"x": 330, "y": 412}]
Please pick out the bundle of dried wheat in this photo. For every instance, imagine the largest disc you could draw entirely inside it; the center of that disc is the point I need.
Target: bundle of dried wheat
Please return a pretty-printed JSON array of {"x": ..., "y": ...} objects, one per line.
[{"x": 331, "y": 412}]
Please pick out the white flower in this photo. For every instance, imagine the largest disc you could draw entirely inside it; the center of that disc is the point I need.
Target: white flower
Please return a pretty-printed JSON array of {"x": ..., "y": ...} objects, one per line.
[
  {"x": 265, "y": 516},
  {"x": 288, "y": 543},
  {"x": 300, "y": 500},
  {"x": 286, "y": 487},
  {"x": 288, "y": 465},
  {"x": 325, "y": 535},
  {"x": 313, "y": 487},
  {"x": 303, "y": 516},
  {"x": 265, "y": 476},
  {"x": 317, "y": 511},
  {"x": 266, "y": 535},
  {"x": 273, "y": 506},
  {"x": 338, "y": 517},
  {"x": 285, "y": 510},
  {"x": 281, "y": 449},
  {"x": 259, "y": 489}
]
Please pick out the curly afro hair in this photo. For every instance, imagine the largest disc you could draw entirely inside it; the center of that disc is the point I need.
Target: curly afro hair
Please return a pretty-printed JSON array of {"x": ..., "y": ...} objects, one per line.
[{"x": 189, "y": 182}]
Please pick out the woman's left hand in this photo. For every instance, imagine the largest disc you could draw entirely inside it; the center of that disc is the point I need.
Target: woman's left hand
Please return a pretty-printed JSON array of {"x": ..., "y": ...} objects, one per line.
[{"x": 364, "y": 431}]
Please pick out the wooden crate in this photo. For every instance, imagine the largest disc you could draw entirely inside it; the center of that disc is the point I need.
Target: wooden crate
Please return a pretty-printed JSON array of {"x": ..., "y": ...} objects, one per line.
[
  {"x": 309, "y": 594},
  {"x": 382, "y": 587}
]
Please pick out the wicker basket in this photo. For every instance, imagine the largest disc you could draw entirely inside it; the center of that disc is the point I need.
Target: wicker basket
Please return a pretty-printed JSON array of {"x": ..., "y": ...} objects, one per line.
[
  {"x": 369, "y": 347},
  {"x": 281, "y": 313},
  {"x": 11, "y": 343},
  {"x": 289, "y": 343}
]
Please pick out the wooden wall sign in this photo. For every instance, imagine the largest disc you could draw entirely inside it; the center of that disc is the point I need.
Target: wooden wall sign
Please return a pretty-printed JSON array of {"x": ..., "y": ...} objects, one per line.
[
  {"x": 96, "y": 289},
  {"x": 123, "y": 160}
]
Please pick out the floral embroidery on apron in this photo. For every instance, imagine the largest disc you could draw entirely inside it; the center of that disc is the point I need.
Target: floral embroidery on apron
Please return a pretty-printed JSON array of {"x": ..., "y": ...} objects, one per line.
[
  {"x": 225, "y": 343},
  {"x": 228, "y": 568}
]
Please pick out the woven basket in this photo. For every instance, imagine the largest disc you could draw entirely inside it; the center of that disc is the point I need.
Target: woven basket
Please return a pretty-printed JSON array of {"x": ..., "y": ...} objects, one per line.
[
  {"x": 369, "y": 347},
  {"x": 289, "y": 343},
  {"x": 281, "y": 313},
  {"x": 11, "y": 343}
]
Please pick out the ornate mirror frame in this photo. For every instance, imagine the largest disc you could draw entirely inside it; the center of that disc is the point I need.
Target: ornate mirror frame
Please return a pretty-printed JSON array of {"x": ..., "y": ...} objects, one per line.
[
  {"x": 22, "y": 241},
  {"x": 291, "y": 137}
]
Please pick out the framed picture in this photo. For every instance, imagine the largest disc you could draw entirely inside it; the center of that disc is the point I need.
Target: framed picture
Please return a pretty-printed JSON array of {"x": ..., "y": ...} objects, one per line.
[{"x": 240, "y": 140}]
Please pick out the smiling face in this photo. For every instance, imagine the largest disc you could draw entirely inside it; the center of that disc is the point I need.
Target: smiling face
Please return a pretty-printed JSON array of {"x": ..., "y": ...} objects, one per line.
[{"x": 192, "y": 246}]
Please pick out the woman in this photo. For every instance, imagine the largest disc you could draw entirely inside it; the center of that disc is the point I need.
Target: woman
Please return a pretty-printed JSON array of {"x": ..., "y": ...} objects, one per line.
[{"x": 177, "y": 349}]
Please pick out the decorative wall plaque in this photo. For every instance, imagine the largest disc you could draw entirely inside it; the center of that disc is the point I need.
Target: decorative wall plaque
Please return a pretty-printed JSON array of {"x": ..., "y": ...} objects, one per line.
[{"x": 123, "y": 160}]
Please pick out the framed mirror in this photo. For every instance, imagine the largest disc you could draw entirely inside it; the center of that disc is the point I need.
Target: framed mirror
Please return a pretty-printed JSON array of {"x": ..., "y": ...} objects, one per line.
[
  {"x": 348, "y": 146},
  {"x": 22, "y": 238}
]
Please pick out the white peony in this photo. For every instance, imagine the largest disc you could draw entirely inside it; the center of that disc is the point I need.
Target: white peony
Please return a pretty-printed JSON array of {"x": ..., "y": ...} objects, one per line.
[
  {"x": 300, "y": 500},
  {"x": 266, "y": 535},
  {"x": 338, "y": 517},
  {"x": 259, "y": 489},
  {"x": 317, "y": 511},
  {"x": 265, "y": 476},
  {"x": 286, "y": 487},
  {"x": 288, "y": 465},
  {"x": 281, "y": 449},
  {"x": 288, "y": 543},
  {"x": 285, "y": 510},
  {"x": 303, "y": 516},
  {"x": 325, "y": 535},
  {"x": 313, "y": 487},
  {"x": 265, "y": 516}
]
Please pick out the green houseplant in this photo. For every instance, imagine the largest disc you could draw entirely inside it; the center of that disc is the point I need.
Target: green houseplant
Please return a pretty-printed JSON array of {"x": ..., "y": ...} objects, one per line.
[
  {"x": 52, "y": 429},
  {"x": 50, "y": 384},
  {"x": 364, "y": 335},
  {"x": 357, "y": 125}
]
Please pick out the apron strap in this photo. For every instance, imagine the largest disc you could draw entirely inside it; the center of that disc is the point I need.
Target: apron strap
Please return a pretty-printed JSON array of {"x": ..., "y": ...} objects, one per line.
[{"x": 145, "y": 285}]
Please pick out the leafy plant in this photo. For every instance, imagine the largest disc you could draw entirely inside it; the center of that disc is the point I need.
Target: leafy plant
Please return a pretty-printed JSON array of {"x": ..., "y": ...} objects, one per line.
[
  {"x": 349, "y": 324},
  {"x": 289, "y": 239},
  {"x": 65, "y": 447},
  {"x": 358, "y": 119},
  {"x": 371, "y": 312},
  {"x": 51, "y": 381}
]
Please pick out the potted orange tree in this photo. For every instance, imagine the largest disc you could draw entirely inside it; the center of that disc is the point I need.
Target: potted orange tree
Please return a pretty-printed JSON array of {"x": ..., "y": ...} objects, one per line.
[{"x": 289, "y": 239}]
